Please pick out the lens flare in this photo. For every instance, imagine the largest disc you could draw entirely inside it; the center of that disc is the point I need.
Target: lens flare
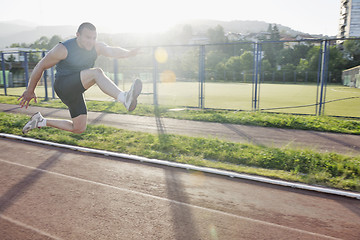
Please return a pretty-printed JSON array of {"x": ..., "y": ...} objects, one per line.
[
  {"x": 167, "y": 76},
  {"x": 161, "y": 55}
]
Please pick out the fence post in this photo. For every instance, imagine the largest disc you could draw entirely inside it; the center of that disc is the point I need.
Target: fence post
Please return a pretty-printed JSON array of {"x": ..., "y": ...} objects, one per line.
[
  {"x": 3, "y": 72},
  {"x": 52, "y": 82},
  {"x": 26, "y": 66},
  {"x": 116, "y": 79},
  {"x": 45, "y": 80},
  {"x": 318, "y": 79},
  {"x": 201, "y": 75},
  {"x": 323, "y": 76},
  {"x": 256, "y": 76},
  {"x": 253, "y": 101},
  {"x": 155, "y": 73}
]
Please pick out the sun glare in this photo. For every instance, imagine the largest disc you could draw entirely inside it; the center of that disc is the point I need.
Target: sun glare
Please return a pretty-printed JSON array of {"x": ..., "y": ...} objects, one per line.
[
  {"x": 139, "y": 16},
  {"x": 133, "y": 25}
]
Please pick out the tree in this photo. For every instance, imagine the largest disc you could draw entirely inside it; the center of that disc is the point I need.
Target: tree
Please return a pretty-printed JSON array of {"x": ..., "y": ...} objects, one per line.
[
  {"x": 272, "y": 49},
  {"x": 293, "y": 55},
  {"x": 270, "y": 28},
  {"x": 213, "y": 58},
  {"x": 336, "y": 64},
  {"x": 352, "y": 53},
  {"x": 303, "y": 66},
  {"x": 217, "y": 34},
  {"x": 275, "y": 34},
  {"x": 41, "y": 43},
  {"x": 246, "y": 61},
  {"x": 266, "y": 66},
  {"x": 53, "y": 41},
  {"x": 313, "y": 57},
  {"x": 286, "y": 55},
  {"x": 233, "y": 68},
  {"x": 19, "y": 45},
  {"x": 189, "y": 64}
]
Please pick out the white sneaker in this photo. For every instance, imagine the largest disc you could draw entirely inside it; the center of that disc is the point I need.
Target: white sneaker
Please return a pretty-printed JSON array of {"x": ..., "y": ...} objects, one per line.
[
  {"x": 132, "y": 95},
  {"x": 33, "y": 122}
]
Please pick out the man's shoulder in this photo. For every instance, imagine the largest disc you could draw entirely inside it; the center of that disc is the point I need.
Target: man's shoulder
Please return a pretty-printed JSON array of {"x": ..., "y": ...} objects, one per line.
[
  {"x": 59, "y": 51},
  {"x": 68, "y": 42}
]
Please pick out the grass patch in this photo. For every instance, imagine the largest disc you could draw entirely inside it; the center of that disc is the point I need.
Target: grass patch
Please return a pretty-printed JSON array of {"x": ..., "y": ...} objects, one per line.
[
  {"x": 289, "y": 121},
  {"x": 328, "y": 169}
]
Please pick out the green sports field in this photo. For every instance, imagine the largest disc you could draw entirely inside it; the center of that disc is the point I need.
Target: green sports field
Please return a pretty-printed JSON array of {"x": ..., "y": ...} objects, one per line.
[{"x": 239, "y": 96}]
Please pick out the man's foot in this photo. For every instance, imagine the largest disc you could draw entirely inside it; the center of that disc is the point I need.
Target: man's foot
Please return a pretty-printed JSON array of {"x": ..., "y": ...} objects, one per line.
[
  {"x": 132, "y": 95},
  {"x": 33, "y": 122}
]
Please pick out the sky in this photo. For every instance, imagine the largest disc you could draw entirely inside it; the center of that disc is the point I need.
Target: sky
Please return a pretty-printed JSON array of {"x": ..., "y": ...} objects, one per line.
[{"x": 113, "y": 16}]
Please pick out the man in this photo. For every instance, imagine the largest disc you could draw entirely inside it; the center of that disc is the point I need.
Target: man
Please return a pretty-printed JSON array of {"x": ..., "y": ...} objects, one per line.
[{"x": 75, "y": 73}]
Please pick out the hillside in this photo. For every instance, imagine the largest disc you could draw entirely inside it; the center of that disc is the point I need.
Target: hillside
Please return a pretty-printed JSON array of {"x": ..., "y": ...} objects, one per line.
[
  {"x": 237, "y": 26},
  {"x": 17, "y": 32}
]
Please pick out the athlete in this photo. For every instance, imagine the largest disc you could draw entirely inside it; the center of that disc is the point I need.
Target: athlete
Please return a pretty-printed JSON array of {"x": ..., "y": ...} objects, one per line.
[{"x": 75, "y": 73}]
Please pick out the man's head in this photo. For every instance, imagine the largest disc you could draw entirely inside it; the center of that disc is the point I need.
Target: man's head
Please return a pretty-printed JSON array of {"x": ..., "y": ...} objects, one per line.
[{"x": 86, "y": 36}]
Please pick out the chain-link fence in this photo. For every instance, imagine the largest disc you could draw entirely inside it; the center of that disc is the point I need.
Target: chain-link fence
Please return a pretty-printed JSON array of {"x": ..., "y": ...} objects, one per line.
[{"x": 302, "y": 77}]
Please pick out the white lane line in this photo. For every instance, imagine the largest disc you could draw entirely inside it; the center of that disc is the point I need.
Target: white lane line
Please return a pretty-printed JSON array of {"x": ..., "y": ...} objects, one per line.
[
  {"x": 16, "y": 222},
  {"x": 171, "y": 201}
]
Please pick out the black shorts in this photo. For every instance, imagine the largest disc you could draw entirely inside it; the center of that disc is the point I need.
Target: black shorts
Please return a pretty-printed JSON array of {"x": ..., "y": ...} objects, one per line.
[{"x": 70, "y": 90}]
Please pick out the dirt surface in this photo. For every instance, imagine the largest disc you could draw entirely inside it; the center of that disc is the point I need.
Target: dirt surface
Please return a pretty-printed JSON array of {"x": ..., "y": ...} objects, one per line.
[
  {"x": 274, "y": 137},
  {"x": 53, "y": 193}
]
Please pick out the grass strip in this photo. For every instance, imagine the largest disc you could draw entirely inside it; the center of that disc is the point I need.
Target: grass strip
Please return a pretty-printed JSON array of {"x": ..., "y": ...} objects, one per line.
[
  {"x": 306, "y": 166},
  {"x": 289, "y": 121}
]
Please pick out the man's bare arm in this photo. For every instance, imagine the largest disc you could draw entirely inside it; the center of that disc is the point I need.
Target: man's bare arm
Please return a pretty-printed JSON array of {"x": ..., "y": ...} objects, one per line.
[
  {"x": 54, "y": 56},
  {"x": 115, "y": 52}
]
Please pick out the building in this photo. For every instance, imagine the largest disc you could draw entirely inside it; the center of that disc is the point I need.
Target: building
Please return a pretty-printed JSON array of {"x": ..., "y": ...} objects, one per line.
[
  {"x": 16, "y": 53},
  {"x": 349, "y": 25},
  {"x": 15, "y": 65},
  {"x": 234, "y": 37}
]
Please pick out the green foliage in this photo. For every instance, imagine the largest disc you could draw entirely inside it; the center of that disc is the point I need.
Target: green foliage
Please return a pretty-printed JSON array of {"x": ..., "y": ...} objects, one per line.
[
  {"x": 352, "y": 52},
  {"x": 213, "y": 58},
  {"x": 303, "y": 65},
  {"x": 43, "y": 43},
  {"x": 217, "y": 34}
]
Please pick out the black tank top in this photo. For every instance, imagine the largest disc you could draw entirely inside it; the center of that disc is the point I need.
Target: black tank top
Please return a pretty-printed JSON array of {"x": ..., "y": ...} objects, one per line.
[{"x": 77, "y": 59}]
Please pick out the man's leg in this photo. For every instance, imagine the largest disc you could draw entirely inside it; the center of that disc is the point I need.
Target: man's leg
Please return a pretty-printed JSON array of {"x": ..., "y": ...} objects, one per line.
[
  {"x": 95, "y": 75},
  {"x": 77, "y": 125}
]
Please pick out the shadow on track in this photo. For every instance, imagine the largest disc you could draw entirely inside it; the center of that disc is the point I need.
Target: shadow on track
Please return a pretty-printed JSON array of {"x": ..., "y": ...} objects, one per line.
[{"x": 21, "y": 187}]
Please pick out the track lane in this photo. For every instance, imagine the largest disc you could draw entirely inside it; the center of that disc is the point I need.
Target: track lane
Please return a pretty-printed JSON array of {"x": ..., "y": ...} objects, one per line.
[{"x": 83, "y": 195}]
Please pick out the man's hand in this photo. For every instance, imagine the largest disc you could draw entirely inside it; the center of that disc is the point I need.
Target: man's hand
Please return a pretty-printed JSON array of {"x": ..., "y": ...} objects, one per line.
[{"x": 26, "y": 97}]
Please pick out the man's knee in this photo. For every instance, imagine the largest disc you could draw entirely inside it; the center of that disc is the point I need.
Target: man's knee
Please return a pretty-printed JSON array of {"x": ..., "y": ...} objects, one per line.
[
  {"x": 79, "y": 129},
  {"x": 90, "y": 76},
  {"x": 79, "y": 124},
  {"x": 98, "y": 72},
  {"x": 92, "y": 73}
]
